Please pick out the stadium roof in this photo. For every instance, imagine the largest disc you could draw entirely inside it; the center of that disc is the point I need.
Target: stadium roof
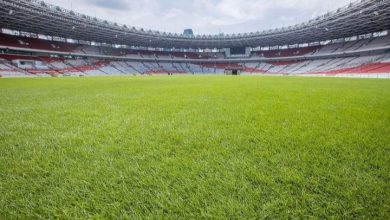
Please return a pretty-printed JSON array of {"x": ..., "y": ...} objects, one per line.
[{"x": 362, "y": 17}]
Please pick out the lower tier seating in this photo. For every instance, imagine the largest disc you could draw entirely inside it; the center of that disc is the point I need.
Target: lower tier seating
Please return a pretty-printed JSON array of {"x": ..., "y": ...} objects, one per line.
[{"x": 29, "y": 66}]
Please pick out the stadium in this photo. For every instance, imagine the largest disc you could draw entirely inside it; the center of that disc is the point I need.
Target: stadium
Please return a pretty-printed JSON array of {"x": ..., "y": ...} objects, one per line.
[
  {"x": 104, "y": 120},
  {"x": 351, "y": 41}
]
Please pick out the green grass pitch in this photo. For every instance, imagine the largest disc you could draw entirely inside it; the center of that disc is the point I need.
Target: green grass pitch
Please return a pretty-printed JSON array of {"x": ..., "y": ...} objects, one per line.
[{"x": 194, "y": 148}]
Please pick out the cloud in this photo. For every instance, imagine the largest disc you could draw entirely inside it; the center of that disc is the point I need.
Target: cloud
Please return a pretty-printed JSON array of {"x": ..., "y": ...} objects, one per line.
[
  {"x": 204, "y": 16},
  {"x": 111, "y": 4}
]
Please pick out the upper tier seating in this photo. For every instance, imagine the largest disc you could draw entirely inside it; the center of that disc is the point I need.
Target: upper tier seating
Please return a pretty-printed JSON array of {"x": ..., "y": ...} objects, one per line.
[
  {"x": 40, "y": 44},
  {"x": 32, "y": 43},
  {"x": 365, "y": 44},
  {"x": 287, "y": 52}
]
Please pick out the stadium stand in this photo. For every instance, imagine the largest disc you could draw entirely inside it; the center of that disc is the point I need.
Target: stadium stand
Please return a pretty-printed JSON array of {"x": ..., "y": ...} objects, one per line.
[{"x": 303, "y": 49}]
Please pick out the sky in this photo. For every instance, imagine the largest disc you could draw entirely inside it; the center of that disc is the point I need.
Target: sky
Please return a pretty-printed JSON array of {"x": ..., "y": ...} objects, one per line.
[{"x": 204, "y": 16}]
